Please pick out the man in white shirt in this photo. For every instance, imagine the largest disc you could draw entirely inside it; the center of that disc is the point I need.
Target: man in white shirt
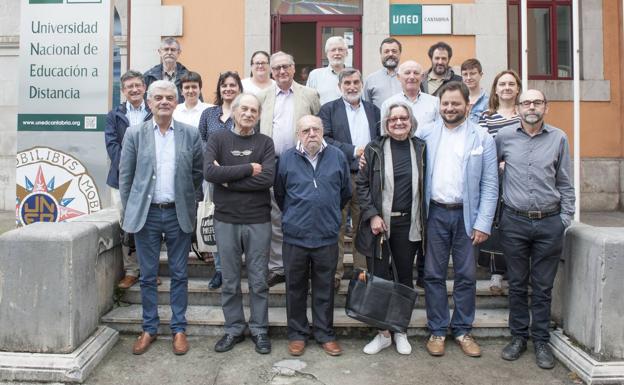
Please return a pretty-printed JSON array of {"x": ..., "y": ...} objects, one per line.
[{"x": 325, "y": 80}]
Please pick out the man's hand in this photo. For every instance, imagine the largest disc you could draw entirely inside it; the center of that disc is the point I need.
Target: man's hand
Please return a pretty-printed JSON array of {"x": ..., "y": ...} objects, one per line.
[
  {"x": 478, "y": 237},
  {"x": 358, "y": 152},
  {"x": 377, "y": 225},
  {"x": 257, "y": 169},
  {"x": 362, "y": 162}
]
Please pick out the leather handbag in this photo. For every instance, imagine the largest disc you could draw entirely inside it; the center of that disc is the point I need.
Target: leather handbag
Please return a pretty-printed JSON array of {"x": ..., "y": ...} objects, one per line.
[{"x": 379, "y": 302}]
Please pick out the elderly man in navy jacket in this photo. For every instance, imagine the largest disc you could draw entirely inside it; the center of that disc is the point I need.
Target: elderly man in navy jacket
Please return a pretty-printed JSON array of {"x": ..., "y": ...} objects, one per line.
[{"x": 311, "y": 188}]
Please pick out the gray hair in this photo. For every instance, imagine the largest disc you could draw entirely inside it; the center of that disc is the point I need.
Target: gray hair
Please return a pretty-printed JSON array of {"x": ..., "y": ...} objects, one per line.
[
  {"x": 131, "y": 74},
  {"x": 308, "y": 117},
  {"x": 237, "y": 101},
  {"x": 412, "y": 118},
  {"x": 162, "y": 85},
  {"x": 291, "y": 59},
  {"x": 335, "y": 39},
  {"x": 348, "y": 72},
  {"x": 170, "y": 40}
]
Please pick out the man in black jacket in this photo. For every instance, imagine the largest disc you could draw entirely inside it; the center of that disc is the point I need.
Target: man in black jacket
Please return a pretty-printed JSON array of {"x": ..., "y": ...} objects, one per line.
[
  {"x": 440, "y": 72},
  {"x": 169, "y": 68}
]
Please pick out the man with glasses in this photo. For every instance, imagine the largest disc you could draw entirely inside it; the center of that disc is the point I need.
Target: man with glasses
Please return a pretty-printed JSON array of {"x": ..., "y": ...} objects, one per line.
[
  {"x": 311, "y": 188},
  {"x": 383, "y": 83},
  {"x": 283, "y": 104},
  {"x": 538, "y": 206},
  {"x": 241, "y": 162},
  {"x": 169, "y": 68},
  {"x": 325, "y": 80}
]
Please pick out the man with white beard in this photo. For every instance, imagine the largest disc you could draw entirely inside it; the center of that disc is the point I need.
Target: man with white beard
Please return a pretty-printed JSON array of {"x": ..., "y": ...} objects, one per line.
[
  {"x": 383, "y": 83},
  {"x": 325, "y": 80},
  {"x": 350, "y": 124}
]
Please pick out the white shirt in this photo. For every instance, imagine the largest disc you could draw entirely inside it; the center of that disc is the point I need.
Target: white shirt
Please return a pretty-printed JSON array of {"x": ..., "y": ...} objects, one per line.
[
  {"x": 448, "y": 177},
  {"x": 283, "y": 114},
  {"x": 325, "y": 82},
  {"x": 358, "y": 125},
  {"x": 135, "y": 115},
  {"x": 251, "y": 88},
  {"x": 426, "y": 108},
  {"x": 190, "y": 116},
  {"x": 164, "y": 191}
]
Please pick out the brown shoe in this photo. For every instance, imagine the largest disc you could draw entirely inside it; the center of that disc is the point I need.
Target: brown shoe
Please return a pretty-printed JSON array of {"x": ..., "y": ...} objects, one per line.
[
  {"x": 435, "y": 345},
  {"x": 296, "y": 347},
  {"x": 332, "y": 348},
  {"x": 127, "y": 281},
  {"x": 469, "y": 346},
  {"x": 142, "y": 343},
  {"x": 180, "y": 344}
]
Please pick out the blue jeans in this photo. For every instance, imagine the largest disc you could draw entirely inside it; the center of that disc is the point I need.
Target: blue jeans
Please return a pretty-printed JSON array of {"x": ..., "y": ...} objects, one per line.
[
  {"x": 447, "y": 234},
  {"x": 148, "y": 239}
]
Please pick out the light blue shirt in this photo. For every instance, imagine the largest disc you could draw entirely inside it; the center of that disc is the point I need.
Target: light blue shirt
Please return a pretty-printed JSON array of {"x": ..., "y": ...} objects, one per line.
[
  {"x": 325, "y": 82},
  {"x": 358, "y": 125},
  {"x": 283, "y": 114},
  {"x": 426, "y": 108},
  {"x": 135, "y": 115},
  {"x": 164, "y": 191},
  {"x": 480, "y": 105}
]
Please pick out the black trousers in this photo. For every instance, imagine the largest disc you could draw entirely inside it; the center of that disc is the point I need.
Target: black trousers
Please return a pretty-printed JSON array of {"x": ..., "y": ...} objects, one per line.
[
  {"x": 532, "y": 250},
  {"x": 318, "y": 265},
  {"x": 403, "y": 252}
]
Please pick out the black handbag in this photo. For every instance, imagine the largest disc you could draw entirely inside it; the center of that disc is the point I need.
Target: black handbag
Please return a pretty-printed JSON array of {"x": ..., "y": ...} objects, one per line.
[{"x": 381, "y": 303}]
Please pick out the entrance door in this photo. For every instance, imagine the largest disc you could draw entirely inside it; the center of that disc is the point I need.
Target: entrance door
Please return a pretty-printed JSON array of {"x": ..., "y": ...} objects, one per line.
[{"x": 304, "y": 37}]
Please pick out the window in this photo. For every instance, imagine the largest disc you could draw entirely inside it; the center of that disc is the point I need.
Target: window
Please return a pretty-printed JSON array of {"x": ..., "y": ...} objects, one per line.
[{"x": 549, "y": 35}]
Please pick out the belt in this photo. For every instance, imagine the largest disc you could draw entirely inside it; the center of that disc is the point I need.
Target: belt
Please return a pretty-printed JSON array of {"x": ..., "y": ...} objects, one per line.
[
  {"x": 399, "y": 213},
  {"x": 166, "y": 205},
  {"x": 532, "y": 214},
  {"x": 448, "y": 206}
]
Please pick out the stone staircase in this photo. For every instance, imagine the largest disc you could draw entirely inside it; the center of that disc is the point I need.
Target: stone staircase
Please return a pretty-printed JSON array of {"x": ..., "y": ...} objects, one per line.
[{"x": 205, "y": 317}]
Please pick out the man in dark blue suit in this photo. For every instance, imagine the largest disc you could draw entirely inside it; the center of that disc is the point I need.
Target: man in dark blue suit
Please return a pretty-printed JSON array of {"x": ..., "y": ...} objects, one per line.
[{"x": 350, "y": 124}]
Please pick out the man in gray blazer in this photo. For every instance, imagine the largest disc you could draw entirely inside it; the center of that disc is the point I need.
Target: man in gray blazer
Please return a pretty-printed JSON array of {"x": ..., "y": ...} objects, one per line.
[
  {"x": 159, "y": 172},
  {"x": 282, "y": 105}
]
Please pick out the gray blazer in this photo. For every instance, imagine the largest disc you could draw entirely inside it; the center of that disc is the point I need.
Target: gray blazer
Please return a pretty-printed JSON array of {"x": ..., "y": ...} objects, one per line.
[
  {"x": 306, "y": 103},
  {"x": 137, "y": 174}
]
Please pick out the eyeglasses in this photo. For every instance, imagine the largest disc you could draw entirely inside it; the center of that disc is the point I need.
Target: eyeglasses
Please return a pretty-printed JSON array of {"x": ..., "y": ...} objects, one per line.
[
  {"x": 401, "y": 118},
  {"x": 536, "y": 103},
  {"x": 260, "y": 63},
  {"x": 278, "y": 68}
]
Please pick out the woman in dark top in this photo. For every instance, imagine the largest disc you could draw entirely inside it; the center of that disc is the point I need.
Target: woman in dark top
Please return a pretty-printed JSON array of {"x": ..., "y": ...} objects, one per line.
[
  {"x": 390, "y": 190},
  {"x": 215, "y": 119},
  {"x": 501, "y": 113}
]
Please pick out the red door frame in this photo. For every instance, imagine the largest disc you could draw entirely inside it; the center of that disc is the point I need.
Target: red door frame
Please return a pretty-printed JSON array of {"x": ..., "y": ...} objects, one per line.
[{"x": 353, "y": 21}]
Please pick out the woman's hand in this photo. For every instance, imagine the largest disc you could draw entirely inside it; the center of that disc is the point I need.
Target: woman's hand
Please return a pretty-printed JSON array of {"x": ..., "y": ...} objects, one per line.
[{"x": 378, "y": 225}]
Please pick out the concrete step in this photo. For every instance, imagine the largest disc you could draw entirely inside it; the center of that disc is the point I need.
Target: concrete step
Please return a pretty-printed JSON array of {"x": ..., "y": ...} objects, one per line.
[
  {"x": 199, "y": 294},
  {"x": 208, "y": 320},
  {"x": 201, "y": 269}
]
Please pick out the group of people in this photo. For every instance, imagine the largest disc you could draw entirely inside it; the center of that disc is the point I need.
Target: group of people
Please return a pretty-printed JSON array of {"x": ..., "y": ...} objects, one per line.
[{"x": 414, "y": 156}]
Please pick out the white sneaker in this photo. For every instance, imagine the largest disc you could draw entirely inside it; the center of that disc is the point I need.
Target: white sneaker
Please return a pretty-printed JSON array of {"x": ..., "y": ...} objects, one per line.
[
  {"x": 402, "y": 344},
  {"x": 496, "y": 284},
  {"x": 378, "y": 343}
]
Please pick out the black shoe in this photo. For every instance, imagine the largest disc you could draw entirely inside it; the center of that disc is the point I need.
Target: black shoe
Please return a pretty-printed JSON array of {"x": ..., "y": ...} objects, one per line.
[
  {"x": 227, "y": 342},
  {"x": 420, "y": 282},
  {"x": 263, "y": 343},
  {"x": 514, "y": 349},
  {"x": 543, "y": 355},
  {"x": 216, "y": 281},
  {"x": 275, "y": 278}
]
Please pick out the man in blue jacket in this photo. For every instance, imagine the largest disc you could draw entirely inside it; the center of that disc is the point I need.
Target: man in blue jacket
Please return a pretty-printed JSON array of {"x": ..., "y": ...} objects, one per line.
[
  {"x": 132, "y": 112},
  {"x": 311, "y": 188}
]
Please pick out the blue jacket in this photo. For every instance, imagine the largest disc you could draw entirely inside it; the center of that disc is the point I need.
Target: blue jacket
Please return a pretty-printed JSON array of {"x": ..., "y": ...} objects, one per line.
[
  {"x": 311, "y": 199},
  {"x": 480, "y": 166},
  {"x": 116, "y": 125}
]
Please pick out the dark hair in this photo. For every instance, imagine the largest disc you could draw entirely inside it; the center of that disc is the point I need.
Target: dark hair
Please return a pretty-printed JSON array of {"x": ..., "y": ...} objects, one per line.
[
  {"x": 455, "y": 86},
  {"x": 131, "y": 74},
  {"x": 348, "y": 72},
  {"x": 494, "y": 102},
  {"x": 441, "y": 46},
  {"x": 471, "y": 64},
  {"x": 391, "y": 40},
  {"x": 222, "y": 77},
  {"x": 189, "y": 77}
]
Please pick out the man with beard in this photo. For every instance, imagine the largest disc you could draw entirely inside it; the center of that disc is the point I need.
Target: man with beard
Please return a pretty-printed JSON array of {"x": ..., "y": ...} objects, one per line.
[
  {"x": 350, "y": 123},
  {"x": 461, "y": 191},
  {"x": 311, "y": 188},
  {"x": 169, "y": 68},
  {"x": 383, "y": 83},
  {"x": 424, "y": 106},
  {"x": 440, "y": 72},
  {"x": 538, "y": 205},
  {"x": 325, "y": 80}
]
